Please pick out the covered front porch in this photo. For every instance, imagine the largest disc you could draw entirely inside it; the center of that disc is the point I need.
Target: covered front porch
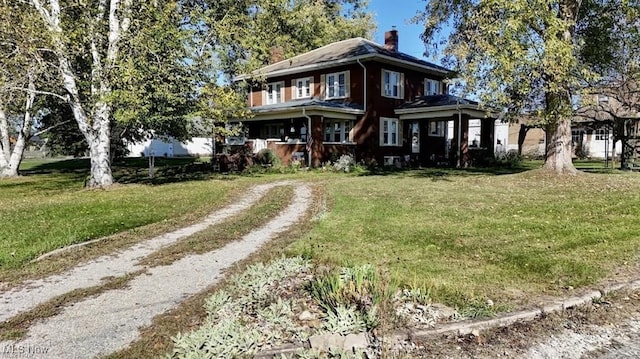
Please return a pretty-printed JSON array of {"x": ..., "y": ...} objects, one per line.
[
  {"x": 445, "y": 130},
  {"x": 307, "y": 132}
]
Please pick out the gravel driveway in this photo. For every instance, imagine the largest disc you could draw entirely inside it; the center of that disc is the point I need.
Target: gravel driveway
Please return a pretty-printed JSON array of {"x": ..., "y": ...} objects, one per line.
[{"x": 107, "y": 322}]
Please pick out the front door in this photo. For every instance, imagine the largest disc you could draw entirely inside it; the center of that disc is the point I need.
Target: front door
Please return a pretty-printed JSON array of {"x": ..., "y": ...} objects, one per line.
[
  {"x": 415, "y": 137},
  {"x": 435, "y": 147}
]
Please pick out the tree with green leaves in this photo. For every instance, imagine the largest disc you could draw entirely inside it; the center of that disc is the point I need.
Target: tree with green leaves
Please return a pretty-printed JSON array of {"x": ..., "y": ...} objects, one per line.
[
  {"x": 518, "y": 55},
  {"x": 612, "y": 50},
  {"x": 25, "y": 73},
  {"x": 249, "y": 36},
  {"x": 117, "y": 60},
  {"x": 146, "y": 64}
]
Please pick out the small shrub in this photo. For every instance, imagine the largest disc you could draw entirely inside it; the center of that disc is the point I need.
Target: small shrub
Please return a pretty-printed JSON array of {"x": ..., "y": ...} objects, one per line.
[
  {"x": 350, "y": 290},
  {"x": 266, "y": 157},
  {"x": 477, "y": 308},
  {"x": 344, "y": 320},
  {"x": 344, "y": 164},
  {"x": 510, "y": 158},
  {"x": 231, "y": 329},
  {"x": 226, "y": 339}
]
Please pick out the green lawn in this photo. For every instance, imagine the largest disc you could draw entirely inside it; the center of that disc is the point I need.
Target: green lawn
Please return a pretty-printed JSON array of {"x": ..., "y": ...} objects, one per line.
[
  {"x": 49, "y": 208},
  {"x": 466, "y": 236}
]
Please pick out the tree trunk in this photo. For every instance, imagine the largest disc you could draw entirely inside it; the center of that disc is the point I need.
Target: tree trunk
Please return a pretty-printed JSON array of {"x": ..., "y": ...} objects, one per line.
[
  {"x": 99, "y": 140},
  {"x": 5, "y": 143},
  {"x": 522, "y": 135},
  {"x": 558, "y": 150},
  {"x": 558, "y": 103},
  {"x": 9, "y": 164}
]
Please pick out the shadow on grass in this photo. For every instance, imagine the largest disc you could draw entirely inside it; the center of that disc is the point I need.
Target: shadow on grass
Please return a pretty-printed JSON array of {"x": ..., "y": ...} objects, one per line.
[
  {"x": 127, "y": 170},
  {"x": 45, "y": 182},
  {"x": 167, "y": 174},
  {"x": 37, "y": 167},
  {"x": 445, "y": 174}
]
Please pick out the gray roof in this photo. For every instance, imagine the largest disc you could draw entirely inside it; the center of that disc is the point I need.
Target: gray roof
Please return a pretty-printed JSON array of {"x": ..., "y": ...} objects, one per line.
[
  {"x": 345, "y": 52},
  {"x": 437, "y": 100},
  {"x": 333, "y": 104}
]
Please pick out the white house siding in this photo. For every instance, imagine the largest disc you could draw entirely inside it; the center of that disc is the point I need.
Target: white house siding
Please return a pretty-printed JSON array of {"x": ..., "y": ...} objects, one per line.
[
  {"x": 600, "y": 148},
  {"x": 501, "y": 134},
  {"x": 170, "y": 147}
]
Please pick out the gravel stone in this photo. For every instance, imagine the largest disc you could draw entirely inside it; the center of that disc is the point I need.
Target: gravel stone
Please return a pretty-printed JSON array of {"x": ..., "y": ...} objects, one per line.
[{"x": 108, "y": 322}]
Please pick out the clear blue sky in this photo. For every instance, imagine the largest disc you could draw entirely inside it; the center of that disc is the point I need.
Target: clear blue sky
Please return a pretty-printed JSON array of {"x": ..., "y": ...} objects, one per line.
[{"x": 397, "y": 13}]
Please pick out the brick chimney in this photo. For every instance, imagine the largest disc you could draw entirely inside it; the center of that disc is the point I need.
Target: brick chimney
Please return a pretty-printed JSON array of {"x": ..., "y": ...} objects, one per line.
[{"x": 391, "y": 40}]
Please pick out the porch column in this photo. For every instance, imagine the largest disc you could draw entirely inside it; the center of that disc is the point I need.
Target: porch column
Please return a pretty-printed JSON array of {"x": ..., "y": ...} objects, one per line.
[
  {"x": 487, "y": 134},
  {"x": 316, "y": 133},
  {"x": 463, "y": 150}
]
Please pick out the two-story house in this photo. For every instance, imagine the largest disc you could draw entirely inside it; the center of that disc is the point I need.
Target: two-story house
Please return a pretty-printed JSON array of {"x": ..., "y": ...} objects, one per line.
[
  {"x": 365, "y": 99},
  {"x": 608, "y": 124}
]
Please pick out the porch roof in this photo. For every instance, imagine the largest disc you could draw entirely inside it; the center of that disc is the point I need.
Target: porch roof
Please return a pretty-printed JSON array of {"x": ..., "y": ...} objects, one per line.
[
  {"x": 307, "y": 107},
  {"x": 437, "y": 106}
]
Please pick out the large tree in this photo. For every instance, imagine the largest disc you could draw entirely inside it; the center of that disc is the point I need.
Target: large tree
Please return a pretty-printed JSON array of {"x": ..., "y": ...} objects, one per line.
[
  {"x": 116, "y": 59},
  {"x": 262, "y": 31},
  {"x": 24, "y": 74},
  {"x": 143, "y": 64},
  {"x": 518, "y": 55},
  {"x": 233, "y": 37}
]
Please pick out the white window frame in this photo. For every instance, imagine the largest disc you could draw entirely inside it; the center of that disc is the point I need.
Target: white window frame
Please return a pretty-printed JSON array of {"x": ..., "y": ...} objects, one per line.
[
  {"x": 274, "y": 93},
  {"x": 436, "y": 128},
  {"x": 392, "y": 84},
  {"x": 386, "y": 125},
  {"x": 303, "y": 87},
  {"x": 332, "y": 85},
  {"x": 341, "y": 127},
  {"x": 432, "y": 87},
  {"x": 601, "y": 134},
  {"x": 576, "y": 136}
]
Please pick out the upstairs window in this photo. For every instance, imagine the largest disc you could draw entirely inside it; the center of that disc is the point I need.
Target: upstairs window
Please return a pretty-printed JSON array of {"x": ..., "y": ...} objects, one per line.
[
  {"x": 336, "y": 85},
  {"x": 389, "y": 129},
  {"x": 392, "y": 84},
  {"x": 274, "y": 92},
  {"x": 431, "y": 87},
  {"x": 302, "y": 87}
]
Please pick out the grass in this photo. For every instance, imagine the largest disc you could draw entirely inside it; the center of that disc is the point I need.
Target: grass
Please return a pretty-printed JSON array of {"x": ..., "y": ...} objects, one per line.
[
  {"x": 466, "y": 236},
  {"x": 49, "y": 208},
  {"x": 233, "y": 229},
  {"x": 510, "y": 235}
]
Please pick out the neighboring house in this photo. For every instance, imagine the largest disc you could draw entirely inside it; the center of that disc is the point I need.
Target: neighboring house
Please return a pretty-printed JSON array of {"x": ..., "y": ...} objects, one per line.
[
  {"x": 526, "y": 137},
  {"x": 609, "y": 124},
  {"x": 364, "y": 99},
  {"x": 170, "y": 147}
]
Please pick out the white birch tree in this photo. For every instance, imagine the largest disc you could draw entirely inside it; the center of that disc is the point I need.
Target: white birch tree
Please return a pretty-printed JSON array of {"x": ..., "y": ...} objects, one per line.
[
  {"x": 109, "y": 20},
  {"x": 23, "y": 72}
]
